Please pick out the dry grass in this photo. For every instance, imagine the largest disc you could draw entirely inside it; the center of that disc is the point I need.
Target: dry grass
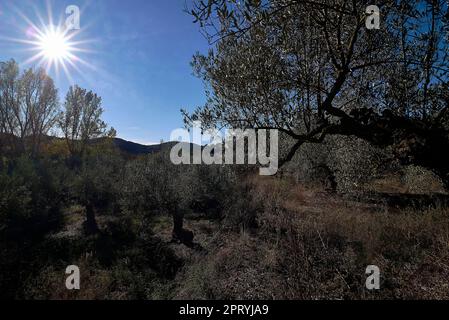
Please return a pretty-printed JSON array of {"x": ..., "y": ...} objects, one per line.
[
  {"x": 50, "y": 284},
  {"x": 311, "y": 245},
  {"x": 306, "y": 244},
  {"x": 327, "y": 244}
]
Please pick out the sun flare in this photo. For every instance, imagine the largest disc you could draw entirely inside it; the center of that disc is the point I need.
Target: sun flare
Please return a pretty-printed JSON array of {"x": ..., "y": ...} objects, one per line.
[
  {"x": 54, "y": 45},
  {"x": 55, "y": 48}
]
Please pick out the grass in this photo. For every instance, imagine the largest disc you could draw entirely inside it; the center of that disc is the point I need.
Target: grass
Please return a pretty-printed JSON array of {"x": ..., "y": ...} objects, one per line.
[
  {"x": 312, "y": 245},
  {"x": 305, "y": 244}
]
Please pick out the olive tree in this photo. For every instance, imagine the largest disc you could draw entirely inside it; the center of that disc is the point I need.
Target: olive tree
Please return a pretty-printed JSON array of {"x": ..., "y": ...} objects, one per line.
[
  {"x": 80, "y": 123},
  {"x": 314, "y": 68}
]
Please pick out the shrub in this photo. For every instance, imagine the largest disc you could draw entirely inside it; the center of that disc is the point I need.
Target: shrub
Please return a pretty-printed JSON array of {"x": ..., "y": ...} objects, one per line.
[
  {"x": 340, "y": 163},
  {"x": 154, "y": 185},
  {"x": 418, "y": 180},
  {"x": 29, "y": 209},
  {"x": 355, "y": 162}
]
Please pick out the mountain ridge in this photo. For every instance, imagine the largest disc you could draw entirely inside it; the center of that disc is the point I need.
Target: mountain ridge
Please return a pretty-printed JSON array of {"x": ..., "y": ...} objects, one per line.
[{"x": 126, "y": 146}]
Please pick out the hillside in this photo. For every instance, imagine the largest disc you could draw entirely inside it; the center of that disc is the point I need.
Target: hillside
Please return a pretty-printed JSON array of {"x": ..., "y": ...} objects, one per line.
[{"x": 124, "y": 146}]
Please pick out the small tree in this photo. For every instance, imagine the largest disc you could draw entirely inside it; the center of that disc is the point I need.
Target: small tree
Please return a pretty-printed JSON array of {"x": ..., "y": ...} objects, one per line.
[
  {"x": 81, "y": 120},
  {"x": 9, "y": 93},
  {"x": 80, "y": 123},
  {"x": 40, "y": 99}
]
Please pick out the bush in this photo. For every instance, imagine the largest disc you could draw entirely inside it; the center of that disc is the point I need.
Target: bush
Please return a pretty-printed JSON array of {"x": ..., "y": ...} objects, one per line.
[
  {"x": 154, "y": 185},
  {"x": 340, "y": 163},
  {"x": 418, "y": 180},
  {"x": 29, "y": 209}
]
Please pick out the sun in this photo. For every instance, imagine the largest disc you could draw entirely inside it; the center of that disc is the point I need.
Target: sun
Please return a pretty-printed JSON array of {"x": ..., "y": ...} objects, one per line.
[
  {"x": 55, "y": 49},
  {"x": 54, "y": 45}
]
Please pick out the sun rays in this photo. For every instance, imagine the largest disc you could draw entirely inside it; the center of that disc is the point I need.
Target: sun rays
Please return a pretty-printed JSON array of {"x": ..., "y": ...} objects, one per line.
[{"x": 53, "y": 46}]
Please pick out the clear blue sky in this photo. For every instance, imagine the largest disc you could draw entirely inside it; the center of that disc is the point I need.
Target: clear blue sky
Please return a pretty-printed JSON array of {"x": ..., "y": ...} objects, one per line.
[{"x": 140, "y": 51}]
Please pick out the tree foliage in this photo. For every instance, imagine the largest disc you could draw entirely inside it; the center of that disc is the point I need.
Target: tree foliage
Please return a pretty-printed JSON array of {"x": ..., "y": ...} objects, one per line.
[
  {"x": 313, "y": 68},
  {"x": 81, "y": 120},
  {"x": 29, "y": 105}
]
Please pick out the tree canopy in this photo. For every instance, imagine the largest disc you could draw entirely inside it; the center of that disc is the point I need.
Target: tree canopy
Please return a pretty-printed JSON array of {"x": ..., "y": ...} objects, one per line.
[
  {"x": 81, "y": 120},
  {"x": 29, "y": 105},
  {"x": 313, "y": 68}
]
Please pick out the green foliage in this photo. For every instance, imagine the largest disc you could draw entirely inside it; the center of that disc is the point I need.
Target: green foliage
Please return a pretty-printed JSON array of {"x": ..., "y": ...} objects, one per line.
[
  {"x": 154, "y": 185},
  {"x": 15, "y": 199},
  {"x": 98, "y": 179},
  {"x": 81, "y": 120},
  {"x": 30, "y": 202},
  {"x": 29, "y": 106},
  {"x": 29, "y": 193}
]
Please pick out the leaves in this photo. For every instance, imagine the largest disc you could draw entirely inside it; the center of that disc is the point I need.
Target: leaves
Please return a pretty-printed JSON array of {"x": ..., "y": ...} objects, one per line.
[
  {"x": 81, "y": 120},
  {"x": 302, "y": 66}
]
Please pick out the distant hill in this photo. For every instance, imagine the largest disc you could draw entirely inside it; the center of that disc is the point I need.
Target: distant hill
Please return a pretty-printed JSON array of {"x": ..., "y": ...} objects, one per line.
[
  {"x": 127, "y": 147},
  {"x": 136, "y": 149}
]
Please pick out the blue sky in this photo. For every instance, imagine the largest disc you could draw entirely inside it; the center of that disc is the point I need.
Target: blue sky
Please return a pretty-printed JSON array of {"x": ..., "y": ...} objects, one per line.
[{"x": 139, "y": 52}]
